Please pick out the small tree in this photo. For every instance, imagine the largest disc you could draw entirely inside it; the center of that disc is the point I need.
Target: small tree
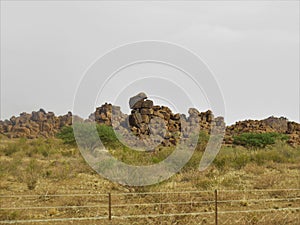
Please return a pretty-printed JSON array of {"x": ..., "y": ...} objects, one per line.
[
  {"x": 67, "y": 135},
  {"x": 258, "y": 140},
  {"x": 86, "y": 137},
  {"x": 108, "y": 136}
]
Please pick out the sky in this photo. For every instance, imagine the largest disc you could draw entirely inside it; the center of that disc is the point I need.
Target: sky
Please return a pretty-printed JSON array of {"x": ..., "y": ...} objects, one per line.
[{"x": 250, "y": 47}]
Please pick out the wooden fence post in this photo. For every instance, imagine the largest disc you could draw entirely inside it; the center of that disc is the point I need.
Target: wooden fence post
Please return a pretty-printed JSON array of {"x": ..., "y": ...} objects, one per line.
[
  {"x": 109, "y": 206},
  {"x": 216, "y": 207}
]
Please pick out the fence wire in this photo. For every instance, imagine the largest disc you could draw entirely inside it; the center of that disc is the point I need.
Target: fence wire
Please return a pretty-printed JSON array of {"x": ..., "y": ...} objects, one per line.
[{"x": 188, "y": 207}]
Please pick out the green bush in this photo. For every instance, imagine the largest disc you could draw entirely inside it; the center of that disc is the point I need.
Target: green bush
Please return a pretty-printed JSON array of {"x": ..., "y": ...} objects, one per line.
[
  {"x": 258, "y": 140},
  {"x": 67, "y": 135},
  {"x": 85, "y": 137},
  {"x": 108, "y": 136}
]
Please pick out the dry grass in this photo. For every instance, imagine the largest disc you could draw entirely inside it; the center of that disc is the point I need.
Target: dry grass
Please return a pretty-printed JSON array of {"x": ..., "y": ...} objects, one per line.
[{"x": 47, "y": 167}]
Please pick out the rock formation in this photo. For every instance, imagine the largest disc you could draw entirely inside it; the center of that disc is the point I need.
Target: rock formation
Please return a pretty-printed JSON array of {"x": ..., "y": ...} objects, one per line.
[
  {"x": 146, "y": 119},
  {"x": 36, "y": 124},
  {"x": 270, "y": 124}
]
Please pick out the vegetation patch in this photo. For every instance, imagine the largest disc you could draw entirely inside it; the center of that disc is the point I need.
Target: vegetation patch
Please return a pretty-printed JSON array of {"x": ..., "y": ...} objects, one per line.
[
  {"x": 86, "y": 138},
  {"x": 258, "y": 140}
]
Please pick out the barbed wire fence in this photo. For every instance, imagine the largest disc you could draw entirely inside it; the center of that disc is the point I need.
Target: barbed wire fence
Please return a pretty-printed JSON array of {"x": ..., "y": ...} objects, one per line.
[{"x": 269, "y": 206}]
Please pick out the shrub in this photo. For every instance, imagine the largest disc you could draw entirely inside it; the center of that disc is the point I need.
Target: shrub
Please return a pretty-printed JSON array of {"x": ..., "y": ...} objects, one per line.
[
  {"x": 202, "y": 140},
  {"x": 258, "y": 140},
  {"x": 32, "y": 174},
  {"x": 11, "y": 148},
  {"x": 85, "y": 137},
  {"x": 240, "y": 161},
  {"x": 67, "y": 135},
  {"x": 220, "y": 162},
  {"x": 108, "y": 136},
  {"x": 31, "y": 148}
]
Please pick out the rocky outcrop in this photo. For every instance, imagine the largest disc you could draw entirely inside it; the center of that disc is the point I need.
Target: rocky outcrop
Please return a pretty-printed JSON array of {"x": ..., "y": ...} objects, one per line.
[
  {"x": 107, "y": 114},
  {"x": 293, "y": 130},
  {"x": 146, "y": 120},
  {"x": 270, "y": 124},
  {"x": 35, "y": 124},
  {"x": 149, "y": 119}
]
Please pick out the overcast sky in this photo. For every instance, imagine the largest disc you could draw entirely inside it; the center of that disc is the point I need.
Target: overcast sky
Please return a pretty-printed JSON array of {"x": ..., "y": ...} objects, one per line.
[{"x": 252, "y": 49}]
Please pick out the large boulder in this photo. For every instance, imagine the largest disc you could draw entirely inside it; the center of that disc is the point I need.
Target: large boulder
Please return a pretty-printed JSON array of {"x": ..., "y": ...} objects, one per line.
[{"x": 135, "y": 101}]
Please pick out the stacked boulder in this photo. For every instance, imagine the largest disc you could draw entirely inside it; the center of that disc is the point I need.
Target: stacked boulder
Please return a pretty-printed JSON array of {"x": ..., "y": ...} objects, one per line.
[
  {"x": 205, "y": 121},
  {"x": 293, "y": 130},
  {"x": 37, "y": 124},
  {"x": 108, "y": 114},
  {"x": 148, "y": 119}
]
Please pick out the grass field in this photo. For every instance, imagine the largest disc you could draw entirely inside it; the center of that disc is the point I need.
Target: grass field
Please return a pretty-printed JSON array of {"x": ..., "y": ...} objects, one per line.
[{"x": 48, "y": 166}]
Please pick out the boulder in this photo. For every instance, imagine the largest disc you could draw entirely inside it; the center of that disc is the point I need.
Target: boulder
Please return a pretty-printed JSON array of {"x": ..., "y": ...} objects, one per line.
[
  {"x": 193, "y": 112},
  {"x": 138, "y": 98}
]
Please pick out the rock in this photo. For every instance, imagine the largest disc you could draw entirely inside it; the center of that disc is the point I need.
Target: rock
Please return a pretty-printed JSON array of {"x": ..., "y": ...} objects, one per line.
[
  {"x": 209, "y": 116},
  {"x": 13, "y": 120},
  {"x": 135, "y": 119},
  {"x": 166, "y": 143},
  {"x": 144, "y": 128},
  {"x": 42, "y": 111},
  {"x": 145, "y": 119},
  {"x": 138, "y": 105},
  {"x": 38, "y": 116},
  {"x": 156, "y": 107},
  {"x": 21, "y": 131},
  {"x": 193, "y": 112},
  {"x": 139, "y": 97},
  {"x": 147, "y": 104},
  {"x": 37, "y": 124},
  {"x": 145, "y": 111},
  {"x": 173, "y": 141},
  {"x": 175, "y": 116},
  {"x": 160, "y": 115}
]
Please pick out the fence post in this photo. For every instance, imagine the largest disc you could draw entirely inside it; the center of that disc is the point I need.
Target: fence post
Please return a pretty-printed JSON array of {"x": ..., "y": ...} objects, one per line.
[
  {"x": 216, "y": 207},
  {"x": 109, "y": 206}
]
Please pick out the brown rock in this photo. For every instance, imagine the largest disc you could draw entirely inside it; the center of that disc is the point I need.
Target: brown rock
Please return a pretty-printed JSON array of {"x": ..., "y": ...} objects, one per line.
[
  {"x": 145, "y": 119},
  {"x": 135, "y": 99},
  {"x": 193, "y": 112},
  {"x": 138, "y": 105},
  {"x": 145, "y": 111},
  {"x": 135, "y": 119},
  {"x": 175, "y": 116},
  {"x": 147, "y": 104}
]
